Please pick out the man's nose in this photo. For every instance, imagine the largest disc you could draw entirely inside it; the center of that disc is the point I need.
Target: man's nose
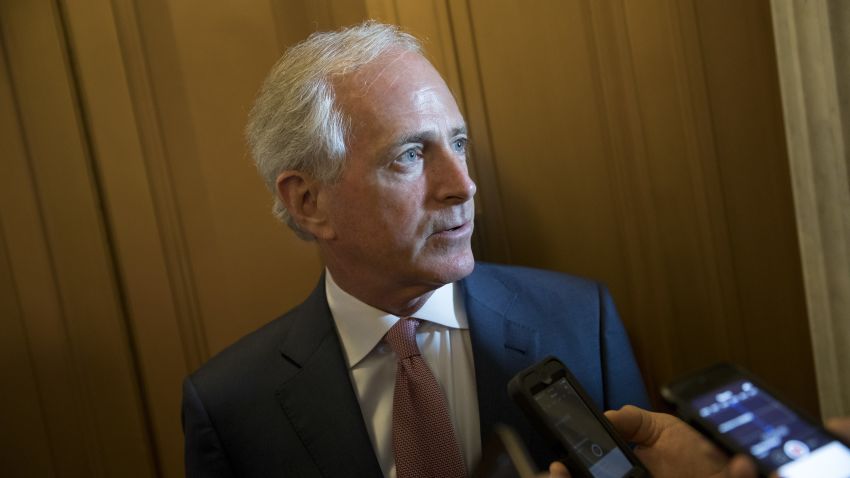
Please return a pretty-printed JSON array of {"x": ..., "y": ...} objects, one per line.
[{"x": 450, "y": 178}]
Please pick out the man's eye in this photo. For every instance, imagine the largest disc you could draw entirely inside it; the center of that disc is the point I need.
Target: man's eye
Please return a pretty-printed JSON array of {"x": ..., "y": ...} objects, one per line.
[
  {"x": 459, "y": 145},
  {"x": 408, "y": 156}
]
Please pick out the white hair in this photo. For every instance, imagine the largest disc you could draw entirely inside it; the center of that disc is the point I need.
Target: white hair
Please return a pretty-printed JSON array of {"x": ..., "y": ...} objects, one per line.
[{"x": 295, "y": 123}]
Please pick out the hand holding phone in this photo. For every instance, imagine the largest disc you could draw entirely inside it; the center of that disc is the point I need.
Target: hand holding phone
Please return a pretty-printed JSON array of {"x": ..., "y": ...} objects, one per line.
[
  {"x": 559, "y": 407},
  {"x": 670, "y": 448},
  {"x": 740, "y": 414}
]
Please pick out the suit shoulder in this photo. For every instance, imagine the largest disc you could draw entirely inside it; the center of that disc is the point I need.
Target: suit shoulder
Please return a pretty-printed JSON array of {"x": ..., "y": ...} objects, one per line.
[
  {"x": 255, "y": 360},
  {"x": 260, "y": 350},
  {"x": 544, "y": 281},
  {"x": 250, "y": 351}
]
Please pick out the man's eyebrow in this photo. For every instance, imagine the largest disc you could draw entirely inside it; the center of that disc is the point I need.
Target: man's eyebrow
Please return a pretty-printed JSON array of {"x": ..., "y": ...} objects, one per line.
[
  {"x": 424, "y": 136},
  {"x": 458, "y": 131},
  {"x": 417, "y": 137}
]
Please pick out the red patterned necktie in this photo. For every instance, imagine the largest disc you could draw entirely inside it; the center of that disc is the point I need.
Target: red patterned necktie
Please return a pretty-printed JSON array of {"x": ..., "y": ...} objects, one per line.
[{"x": 424, "y": 442}]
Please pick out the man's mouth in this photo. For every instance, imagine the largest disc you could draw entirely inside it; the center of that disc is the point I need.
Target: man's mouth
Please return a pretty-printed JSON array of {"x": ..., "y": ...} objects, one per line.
[{"x": 458, "y": 230}]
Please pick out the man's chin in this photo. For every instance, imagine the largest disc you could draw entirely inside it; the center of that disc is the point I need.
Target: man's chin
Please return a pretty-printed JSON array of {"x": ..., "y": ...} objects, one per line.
[{"x": 455, "y": 269}]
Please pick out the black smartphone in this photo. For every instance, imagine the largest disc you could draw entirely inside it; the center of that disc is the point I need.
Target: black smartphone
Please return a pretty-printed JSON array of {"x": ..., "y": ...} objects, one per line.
[
  {"x": 504, "y": 456},
  {"x": 730, "y": 406},
  {"x": 556, "y": 404}
]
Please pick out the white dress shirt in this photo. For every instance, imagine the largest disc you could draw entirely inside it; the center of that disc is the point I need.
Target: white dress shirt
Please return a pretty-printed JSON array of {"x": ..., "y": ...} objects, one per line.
[{"x": 443, "y": 339}]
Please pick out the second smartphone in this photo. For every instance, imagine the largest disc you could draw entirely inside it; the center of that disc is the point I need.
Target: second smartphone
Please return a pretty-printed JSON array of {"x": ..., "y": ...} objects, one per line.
[
  {"x": 559, "y": 407},
  {"x": 731, "y": 406}
]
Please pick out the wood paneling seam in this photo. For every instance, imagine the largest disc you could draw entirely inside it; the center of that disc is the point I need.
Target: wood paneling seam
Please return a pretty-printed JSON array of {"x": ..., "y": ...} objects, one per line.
[
  {"x": 702, "y": 154},
  {"x": 613, "y": 169},
  {"x": 42, "y": 226},
  {"x": 6, "y": 254},
  {"x": 617, "y": 152},
  {"x": 171, "y": 233},
  {"x": 649, "y": 226},
  {"x": 82, "y": 386}
]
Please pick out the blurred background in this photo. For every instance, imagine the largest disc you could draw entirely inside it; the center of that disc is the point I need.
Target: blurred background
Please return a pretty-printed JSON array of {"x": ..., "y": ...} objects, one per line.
[{"x": 689, "y": 153}]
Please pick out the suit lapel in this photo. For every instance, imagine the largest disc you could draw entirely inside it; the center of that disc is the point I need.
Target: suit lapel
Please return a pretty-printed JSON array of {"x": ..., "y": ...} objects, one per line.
[
  {"x": 319, "y": 399},
  {"x": 502, "y": 344}
]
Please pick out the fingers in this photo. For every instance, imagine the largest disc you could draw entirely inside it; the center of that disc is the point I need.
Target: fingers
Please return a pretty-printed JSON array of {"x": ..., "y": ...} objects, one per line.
[
  {"x": 840, "y": 426},
  {"x": 741, "y": 467},
  {"x": 634, "y": 424},
  {"x": 558, "y": 470}
]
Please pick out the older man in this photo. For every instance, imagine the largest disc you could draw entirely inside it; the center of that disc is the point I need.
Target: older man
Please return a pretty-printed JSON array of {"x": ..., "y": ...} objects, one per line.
[{"x": 397, "y": 363}]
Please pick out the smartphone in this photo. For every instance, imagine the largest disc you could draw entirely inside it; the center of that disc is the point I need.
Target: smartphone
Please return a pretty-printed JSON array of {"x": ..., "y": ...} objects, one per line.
[
  {"x": 730, "y": 406},
  {"x": 558, "y": 406},
  {"x": 504, "y": 456}
]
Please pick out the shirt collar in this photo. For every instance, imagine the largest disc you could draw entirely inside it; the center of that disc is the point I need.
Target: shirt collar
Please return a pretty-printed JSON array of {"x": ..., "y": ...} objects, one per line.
[{"x": 361, "y": 326}]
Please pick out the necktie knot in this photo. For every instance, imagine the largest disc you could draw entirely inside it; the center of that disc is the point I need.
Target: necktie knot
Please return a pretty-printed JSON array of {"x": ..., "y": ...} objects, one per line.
[{"x": 402, "y": 338}]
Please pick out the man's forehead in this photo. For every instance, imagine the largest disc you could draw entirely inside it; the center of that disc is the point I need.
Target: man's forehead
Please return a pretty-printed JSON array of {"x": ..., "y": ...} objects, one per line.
[
  {"x": 394, "y": 74},
  {"x": 387, "y": 71},
  {"x": 398, "y": 91}
]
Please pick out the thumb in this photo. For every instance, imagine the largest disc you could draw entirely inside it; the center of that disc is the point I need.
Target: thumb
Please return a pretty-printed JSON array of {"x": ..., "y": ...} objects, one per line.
[
  {"x": 634, "y": 424},
  {"x": 741, "y": 467},
  {"x": 558, "y": 470},
  {"x": 840, "y": 426}
]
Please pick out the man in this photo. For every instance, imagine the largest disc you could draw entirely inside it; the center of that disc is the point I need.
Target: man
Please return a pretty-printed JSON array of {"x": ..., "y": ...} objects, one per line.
[{"x": 365, "y": 149}]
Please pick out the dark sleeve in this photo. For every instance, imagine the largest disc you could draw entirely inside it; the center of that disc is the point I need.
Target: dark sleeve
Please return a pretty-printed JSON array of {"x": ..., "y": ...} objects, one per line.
[
  {"x": 204, "y": 454},
  {"x": 622, "y": 381}
]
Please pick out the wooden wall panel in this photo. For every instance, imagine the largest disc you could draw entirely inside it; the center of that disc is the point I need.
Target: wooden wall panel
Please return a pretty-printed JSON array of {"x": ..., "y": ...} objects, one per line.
[
  {"x": 629, "y": 159},
  {"x": 26, "y": 452},
  {"x": 26, "y": 449},
  {"x": 166, "y": 352},
  {"x": 61, "y": 262},
  {"x": 701, "y": 321},
  {"x": 753, "y": 168},
  {"x": 206, "y": 63}
]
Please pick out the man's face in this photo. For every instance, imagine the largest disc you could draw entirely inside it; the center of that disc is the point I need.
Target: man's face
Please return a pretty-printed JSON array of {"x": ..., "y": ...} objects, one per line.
[{"x": 402, "y": 212}]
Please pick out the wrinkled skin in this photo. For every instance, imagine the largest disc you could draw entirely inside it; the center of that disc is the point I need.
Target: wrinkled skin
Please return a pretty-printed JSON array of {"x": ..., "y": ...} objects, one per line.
[{"x": 398, "y": 223}]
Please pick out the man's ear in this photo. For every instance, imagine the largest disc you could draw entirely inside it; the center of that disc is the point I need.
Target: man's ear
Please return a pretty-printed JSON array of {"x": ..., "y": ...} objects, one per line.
[{"x": 300, "y": 194}]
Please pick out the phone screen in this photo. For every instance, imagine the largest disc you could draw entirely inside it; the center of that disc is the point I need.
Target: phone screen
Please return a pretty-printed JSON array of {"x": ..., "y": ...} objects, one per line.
[
  {"x": 579, "y": 427},
  {"x": 776, "y": 436}
]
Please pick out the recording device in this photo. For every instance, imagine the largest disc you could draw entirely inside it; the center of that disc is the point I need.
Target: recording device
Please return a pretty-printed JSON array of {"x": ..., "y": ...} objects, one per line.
[
  {"x": 558, "y": 406},
  {"x": 504, "y": 456},
  {"x": 740, "y": 414}
]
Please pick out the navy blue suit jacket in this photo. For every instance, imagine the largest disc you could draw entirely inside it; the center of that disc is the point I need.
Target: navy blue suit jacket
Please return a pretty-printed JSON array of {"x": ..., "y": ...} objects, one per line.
[{"x": 279, "y": 402}]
